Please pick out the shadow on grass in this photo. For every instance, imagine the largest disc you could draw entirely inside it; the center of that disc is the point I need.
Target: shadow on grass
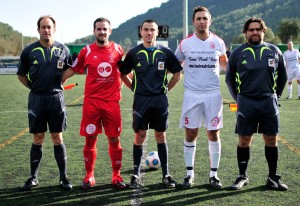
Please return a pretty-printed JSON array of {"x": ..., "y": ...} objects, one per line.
[
  {"x": 196, "y": 195},
  {"x": 130, "y": 171},
  {"x": 55, "y": 195},
  {"x": 74, "y": 105},
  {"x": 106, "y": 194}
]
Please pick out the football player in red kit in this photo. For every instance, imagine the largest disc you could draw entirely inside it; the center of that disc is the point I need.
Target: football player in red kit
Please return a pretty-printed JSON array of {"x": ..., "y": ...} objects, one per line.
[{"x": 101, "y": 106}]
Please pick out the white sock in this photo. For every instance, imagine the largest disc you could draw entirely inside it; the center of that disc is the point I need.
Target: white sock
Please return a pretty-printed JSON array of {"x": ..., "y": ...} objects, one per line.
[
  {"x": 290, "y": 89},
  {"x": 189, "y": 156},
  {"x": 214, "y": 149},
  {"x": 298, "y": 90}
]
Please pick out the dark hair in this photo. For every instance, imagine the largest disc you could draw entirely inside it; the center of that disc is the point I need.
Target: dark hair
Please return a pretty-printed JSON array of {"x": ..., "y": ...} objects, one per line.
[
  {"x": 200, "y": 8},
  {"x": 101, "y": 19},
  {"x": 148, "y": 21},
  {"x": 44, "y": 17},
  {"x": 254, "y": 19}
]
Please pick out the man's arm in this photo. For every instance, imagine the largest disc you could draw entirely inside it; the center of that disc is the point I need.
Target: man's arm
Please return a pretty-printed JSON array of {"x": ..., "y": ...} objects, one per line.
[
  {"x": 282, "y": 76},
  {"x": 230, "y": 77},
  {"x": 127, "y": 79},
  {"x": 223, "y": 61},
  {"x": 23, "y": 80},
  {"x": 173, "y": 81},
  {"x": 67, "y": 74}
]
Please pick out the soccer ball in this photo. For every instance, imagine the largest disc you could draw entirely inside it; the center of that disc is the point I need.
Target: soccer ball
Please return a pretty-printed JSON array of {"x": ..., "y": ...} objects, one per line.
[{"x": 152, "y": 160}]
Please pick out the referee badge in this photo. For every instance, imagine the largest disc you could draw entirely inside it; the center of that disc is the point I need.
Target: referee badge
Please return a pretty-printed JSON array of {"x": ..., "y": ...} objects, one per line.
[
  {"x": 271, "y": 62},
  {"x": 161, "y": 66},
  {"x": 60, "y": 64}
]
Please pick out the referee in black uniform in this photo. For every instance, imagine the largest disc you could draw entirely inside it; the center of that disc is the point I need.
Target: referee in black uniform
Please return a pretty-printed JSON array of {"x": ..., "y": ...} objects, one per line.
[
  {"x": 150, "y": 64},
  {"x": 256, "y": 77},
  {"x": 40, "y": 69}
]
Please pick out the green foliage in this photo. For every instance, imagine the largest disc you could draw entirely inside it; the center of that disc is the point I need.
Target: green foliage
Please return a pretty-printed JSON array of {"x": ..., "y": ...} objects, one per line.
[
  {"x": 289, "y": 29},
  {"x": 11, "y": 42},
  {"x": 228, "y": 18}
]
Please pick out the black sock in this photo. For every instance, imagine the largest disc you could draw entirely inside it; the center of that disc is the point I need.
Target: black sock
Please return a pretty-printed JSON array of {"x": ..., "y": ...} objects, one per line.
[
  {"x": 36, "y": 154},
  {"x": 162, "y": 150},
  {"x": 137, "y": 158},
  {"x": 243, "y": 156},
  {"x": 60, "y": 155},
  {"x": 271, "y": 154}
]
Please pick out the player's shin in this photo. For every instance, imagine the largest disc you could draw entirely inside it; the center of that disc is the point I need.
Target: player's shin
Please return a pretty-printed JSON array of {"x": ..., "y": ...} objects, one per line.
[
  {"x": 215, "y": 154},
  {"x": 189, "y": 149},
  {"x": 90, "y": 155},
  {"x": 115, "y": 152}
]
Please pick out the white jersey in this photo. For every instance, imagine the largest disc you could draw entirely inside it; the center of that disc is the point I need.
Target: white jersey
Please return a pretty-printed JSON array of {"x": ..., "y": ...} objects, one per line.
[
  {"x": 201, "y": 66},
  {"x": 292, "y": 59}
]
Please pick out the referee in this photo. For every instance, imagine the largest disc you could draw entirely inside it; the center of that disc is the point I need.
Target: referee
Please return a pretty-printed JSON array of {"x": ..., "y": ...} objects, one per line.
[
  {"x": 40, "y": 69},
  {"x": 256, "y": 76},
  {"x": 150, "y": 64}
]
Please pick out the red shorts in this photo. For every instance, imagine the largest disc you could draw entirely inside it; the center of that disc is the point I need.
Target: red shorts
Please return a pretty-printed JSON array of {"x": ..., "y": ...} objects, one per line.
[{"x": 97, "y": 113}]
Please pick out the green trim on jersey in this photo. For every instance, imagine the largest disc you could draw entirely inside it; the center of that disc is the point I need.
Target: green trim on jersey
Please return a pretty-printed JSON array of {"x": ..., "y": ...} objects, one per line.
[
  {"x": 43, "y": 53},
  {"x": 253, "y": 53}
]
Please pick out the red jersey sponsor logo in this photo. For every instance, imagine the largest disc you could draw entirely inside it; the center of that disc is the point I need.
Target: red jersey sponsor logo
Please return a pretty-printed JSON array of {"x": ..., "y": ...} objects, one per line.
[{"x": 104, "y": 69}]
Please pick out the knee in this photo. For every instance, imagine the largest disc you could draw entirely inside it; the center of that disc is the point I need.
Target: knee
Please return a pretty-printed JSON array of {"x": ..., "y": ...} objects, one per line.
[
  {"x": 57, "y": 138},
  {"x": 213, "y": 135},
  {"x": 38, "y": 138},
  {"x": 271, "y": 142},
  {"x": 91, "y": 142},
  {"x": 140, "y": 138},
  {"x": 113, "y": 139},
  {"x": 160, "y": 137},
  {"x": 245, "y": 141},
  {"x": 114, "y": 143},
  {"x": 191, "y": 135}
]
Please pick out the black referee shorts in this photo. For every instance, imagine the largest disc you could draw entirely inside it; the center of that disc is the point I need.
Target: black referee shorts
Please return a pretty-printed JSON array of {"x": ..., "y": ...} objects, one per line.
[
  {"x": 257, "y": 115},
  {"x": 150, "y": 112},
  {"x": 46, "y": 110}
]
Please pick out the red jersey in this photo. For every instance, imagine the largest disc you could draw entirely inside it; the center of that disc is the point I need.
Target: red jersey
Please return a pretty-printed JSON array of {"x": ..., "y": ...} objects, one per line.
[{"x": 103, "y": 76}]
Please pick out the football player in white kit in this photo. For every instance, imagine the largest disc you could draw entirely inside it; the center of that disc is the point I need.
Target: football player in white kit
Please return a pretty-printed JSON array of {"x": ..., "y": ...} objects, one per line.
[
  {"x": 203, "y": 53},
  {"x": 292, "y": 59}
]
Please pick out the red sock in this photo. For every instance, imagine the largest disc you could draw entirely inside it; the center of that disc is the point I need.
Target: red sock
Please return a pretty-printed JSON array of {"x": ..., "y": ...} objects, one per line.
[
  {"x": 90, "y": 155},
  {"x": 115, "y": 153}
]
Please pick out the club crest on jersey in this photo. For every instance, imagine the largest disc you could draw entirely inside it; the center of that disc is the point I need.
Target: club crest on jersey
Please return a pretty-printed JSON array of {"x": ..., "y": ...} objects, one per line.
[
  {"x": 161, "y": 66},
  {"x": 104, "y": 69},
  {"x": 90, "y": 129},
  {"x": 271, "y": 62},
  {"x": 111, "y": 59},
  {"x": 212, "y": 45},
  {"x": 215, "y": 121}
]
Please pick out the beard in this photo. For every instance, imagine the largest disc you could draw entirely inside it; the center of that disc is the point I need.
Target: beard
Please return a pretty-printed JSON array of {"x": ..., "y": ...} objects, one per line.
[
  {"x": 202, "y": 31},
  {"x": 100, "y": 41},
  {"x": 253, "y": 41}
]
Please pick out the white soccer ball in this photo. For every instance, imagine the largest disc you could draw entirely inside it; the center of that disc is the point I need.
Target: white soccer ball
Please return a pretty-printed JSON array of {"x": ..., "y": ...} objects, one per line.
[{"x": 152, "y": 160}]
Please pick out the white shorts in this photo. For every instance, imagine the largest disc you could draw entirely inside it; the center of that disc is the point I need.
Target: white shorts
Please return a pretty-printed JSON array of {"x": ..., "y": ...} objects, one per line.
[
  {"x": 196, "y": 107},
  {"x": 293, "y": 74}
]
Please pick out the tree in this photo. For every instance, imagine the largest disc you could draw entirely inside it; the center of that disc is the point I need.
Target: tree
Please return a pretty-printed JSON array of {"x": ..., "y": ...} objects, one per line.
[
  {"x": 289, "y": 29},
  {"x": 271, "y": 37},
  {"x": 126, "y": 44},
  {"x": 239, "y": 39}
]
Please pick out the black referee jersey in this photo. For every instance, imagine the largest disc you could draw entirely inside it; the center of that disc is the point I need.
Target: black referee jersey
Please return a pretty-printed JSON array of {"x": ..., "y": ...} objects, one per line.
[
  {"x": 150, "y": 67},
  {"x": 256, "y": 71},
  {"x": 44, "y": 66}
]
